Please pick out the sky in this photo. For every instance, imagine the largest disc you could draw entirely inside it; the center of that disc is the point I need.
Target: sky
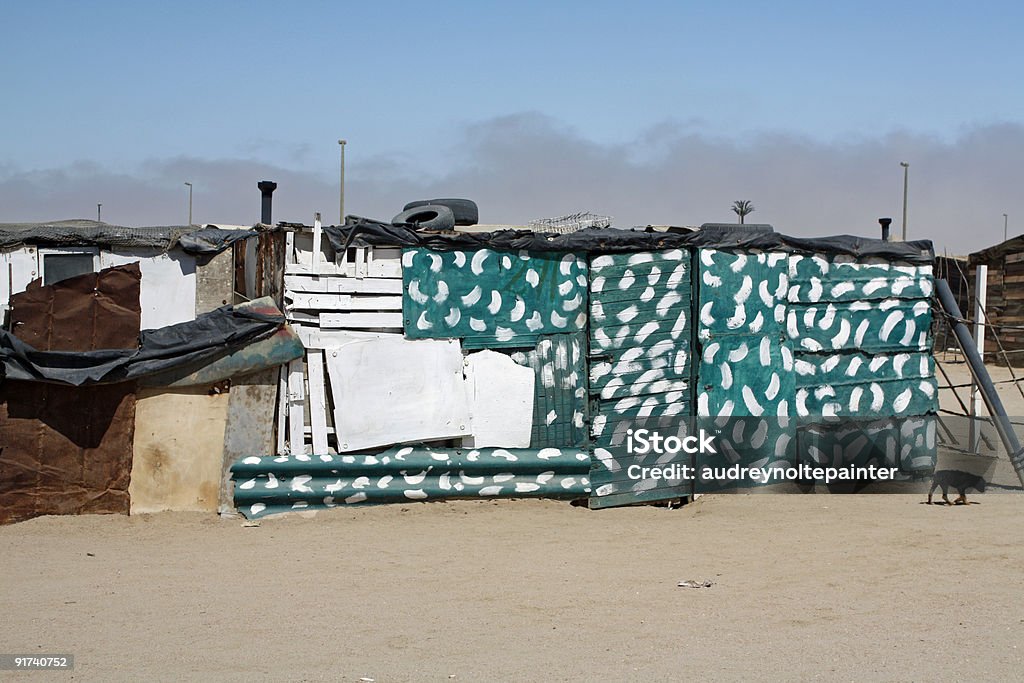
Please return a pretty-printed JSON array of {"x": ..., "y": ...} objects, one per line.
[{"x": 651, "y": 112}]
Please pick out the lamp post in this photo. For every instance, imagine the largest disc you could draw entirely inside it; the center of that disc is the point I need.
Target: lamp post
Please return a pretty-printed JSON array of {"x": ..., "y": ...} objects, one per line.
[
  {"x": 906, "y": 169},
  {"x": 189, "y": 203},
  {"x": 1005, "y": 236},
  {"x": 341, "y": 189}
]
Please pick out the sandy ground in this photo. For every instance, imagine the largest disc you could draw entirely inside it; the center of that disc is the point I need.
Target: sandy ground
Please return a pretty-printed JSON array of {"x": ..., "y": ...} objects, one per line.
[{"x": 805, "y": 588}]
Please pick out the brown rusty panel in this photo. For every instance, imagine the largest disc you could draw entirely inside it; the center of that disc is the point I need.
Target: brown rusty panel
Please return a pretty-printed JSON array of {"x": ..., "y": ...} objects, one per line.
[
  {"x": 92, "y": 311},
  {"x": 270, "y": 265},
  {"x": 68, "y": 450},
  {"x": 64, "y": 450}
]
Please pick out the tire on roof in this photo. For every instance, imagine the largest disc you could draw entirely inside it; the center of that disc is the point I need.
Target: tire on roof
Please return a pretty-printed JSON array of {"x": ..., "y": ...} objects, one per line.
[
  {"x": 427, "y": 217},
  {"x": 464, "y": 210}
]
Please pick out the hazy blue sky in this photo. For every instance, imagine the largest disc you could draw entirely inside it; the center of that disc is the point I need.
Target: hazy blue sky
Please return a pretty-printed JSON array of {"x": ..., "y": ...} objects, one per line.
[{"x": 654, "y": 112}]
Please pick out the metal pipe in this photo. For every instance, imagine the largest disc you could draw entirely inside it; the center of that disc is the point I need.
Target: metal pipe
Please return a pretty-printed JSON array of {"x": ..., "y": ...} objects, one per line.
[
  {"x": 906, "y": 169},
  {"x": 341, "y": 188},
  {"x": 980, "y": 373},
  {"x": 189, "y": 203},
  {"x": 267, "y": 188},
  {"x": 885, "y": 223}
]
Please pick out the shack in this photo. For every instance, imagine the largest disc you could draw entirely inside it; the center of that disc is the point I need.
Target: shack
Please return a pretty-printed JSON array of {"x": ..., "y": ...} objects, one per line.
[
  {"x": 514, "y": 363},
  {"x": 133, "y": 364},
  {"x": 1004, "y": 300}
]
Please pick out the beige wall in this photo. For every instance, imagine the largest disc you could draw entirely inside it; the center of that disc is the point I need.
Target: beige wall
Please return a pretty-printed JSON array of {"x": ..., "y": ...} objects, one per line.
[{"x": 179, "y": 445}]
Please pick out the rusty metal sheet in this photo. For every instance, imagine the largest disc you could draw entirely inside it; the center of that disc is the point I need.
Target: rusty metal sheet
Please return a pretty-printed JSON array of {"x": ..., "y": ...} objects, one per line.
[
  {"x": 68, "y": 450},
  {"x": 92, "y": 311}
]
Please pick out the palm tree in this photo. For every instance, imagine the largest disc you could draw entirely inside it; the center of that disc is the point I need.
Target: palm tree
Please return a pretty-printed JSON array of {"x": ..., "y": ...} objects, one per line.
[{"x": 742, "y": 208}]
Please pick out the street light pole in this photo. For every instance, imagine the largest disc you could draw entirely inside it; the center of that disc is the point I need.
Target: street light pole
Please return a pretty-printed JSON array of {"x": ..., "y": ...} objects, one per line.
[
  {"x": 1005, "y": 236},
  {"x": 189, "y": 203},
  {"x": 341, "y": 190},
  {"x": 906, "y": 169}
]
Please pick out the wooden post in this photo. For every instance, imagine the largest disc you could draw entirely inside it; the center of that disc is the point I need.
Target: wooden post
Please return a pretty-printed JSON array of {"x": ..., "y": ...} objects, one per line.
[{"x": 980, "y": 295}]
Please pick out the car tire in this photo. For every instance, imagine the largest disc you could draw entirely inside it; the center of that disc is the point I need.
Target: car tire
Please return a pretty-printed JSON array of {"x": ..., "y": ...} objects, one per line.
[
  {"x": 427, "y": 217},
  {"x": 464, "y": 210}
]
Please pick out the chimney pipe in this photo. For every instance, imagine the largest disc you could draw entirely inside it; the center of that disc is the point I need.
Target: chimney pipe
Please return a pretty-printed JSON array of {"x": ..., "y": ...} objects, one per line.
[
  {"x": 885, "y": 223},
  {"x": 267, "y": 188}
]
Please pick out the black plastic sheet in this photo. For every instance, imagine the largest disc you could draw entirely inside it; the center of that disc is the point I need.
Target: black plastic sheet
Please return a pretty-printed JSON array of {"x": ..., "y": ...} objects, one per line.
[
  {"x": 359, "y": 231},
  {"x": 176, "y": 347}
]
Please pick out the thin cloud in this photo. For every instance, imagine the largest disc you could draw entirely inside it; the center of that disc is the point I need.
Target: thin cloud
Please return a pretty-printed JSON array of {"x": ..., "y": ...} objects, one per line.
[{"x": 527, "y": 165}]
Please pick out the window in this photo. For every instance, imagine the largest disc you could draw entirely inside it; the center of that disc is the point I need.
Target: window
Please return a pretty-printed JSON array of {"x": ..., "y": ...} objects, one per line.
[{"x": 61, "y": 265}]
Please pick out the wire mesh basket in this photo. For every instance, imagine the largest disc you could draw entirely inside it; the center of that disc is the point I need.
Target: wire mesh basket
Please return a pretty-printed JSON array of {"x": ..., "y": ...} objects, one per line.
[{"x": 571, "y": 222}]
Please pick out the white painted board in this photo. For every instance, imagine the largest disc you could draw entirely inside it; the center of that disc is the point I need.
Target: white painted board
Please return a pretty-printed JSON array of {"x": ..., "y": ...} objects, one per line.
[
  {"x": 167, "y": 292},
  {"x": 329, "y": 284},
  {"x": 500, "y": 401},
  {"x": 389, "y": 391}
]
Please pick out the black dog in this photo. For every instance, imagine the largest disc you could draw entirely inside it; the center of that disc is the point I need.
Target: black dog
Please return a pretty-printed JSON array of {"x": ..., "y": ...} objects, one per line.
[{"x": 961, "y": 481}]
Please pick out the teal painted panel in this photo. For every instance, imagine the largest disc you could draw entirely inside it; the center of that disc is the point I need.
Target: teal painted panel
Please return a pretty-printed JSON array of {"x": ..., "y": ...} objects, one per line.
[
  {"x": 742, "y": 293},
  {"x": 842, "y": 279},
  {"x": 560, "y": 391},
  {"x": 872, "y": 326},
  {"x": 746, "y": 375},
  {"x": 640, "y": 367},
  {"x": 861, "y": 385},
  {"x": 492, "y": 299},
  {"x": 906, "y": 443}
]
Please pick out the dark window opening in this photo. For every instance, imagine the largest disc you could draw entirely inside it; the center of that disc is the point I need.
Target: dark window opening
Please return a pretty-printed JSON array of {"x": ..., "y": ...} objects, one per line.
[{"x": 57, "y": 267}]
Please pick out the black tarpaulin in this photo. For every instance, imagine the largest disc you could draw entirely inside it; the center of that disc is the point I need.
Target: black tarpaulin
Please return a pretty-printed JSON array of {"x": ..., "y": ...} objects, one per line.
[
  {"x": 359, "y": 231},
  {"x": 198, "y": 241},
  {"x": 176, "y": 347}
]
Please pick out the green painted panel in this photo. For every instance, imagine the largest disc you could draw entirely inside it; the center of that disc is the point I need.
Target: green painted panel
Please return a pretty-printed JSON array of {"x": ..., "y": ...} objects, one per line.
[
  {"x": 907, "y": 443},
  {"x": 492, "y": 299},
  {"x": 841, "y": 278},
  {"x": 872, "y": 326},
  {"x": 640, "y": 369},
  {"x": 742, "y": 293},
  {"x": 560, "y": 390},
  {"x": 745, "y": 375}
]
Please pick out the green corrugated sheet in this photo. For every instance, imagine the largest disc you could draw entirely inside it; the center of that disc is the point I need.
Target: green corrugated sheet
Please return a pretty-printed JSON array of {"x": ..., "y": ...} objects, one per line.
[
  {"x": 492, "y": 299},
  {"x": 560, "y": 390},
  {"x": 640, "y": 371}
]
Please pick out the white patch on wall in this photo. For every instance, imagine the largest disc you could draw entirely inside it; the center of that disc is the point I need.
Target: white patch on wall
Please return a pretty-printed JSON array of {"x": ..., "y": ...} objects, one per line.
[
  {"x": 501, "y": 401},
  {"x": 167, "y": 293},
  {"x": 391, "y": 390}
]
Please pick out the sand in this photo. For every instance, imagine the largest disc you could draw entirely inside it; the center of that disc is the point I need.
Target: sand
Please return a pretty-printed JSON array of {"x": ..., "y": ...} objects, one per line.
[{"x": 804, "y": 587}]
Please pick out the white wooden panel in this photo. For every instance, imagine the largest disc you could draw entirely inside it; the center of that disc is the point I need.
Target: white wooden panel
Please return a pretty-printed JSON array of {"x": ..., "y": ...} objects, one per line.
[
  {"x": 167, "y": 293},
  {"x": 301, "y": 317},
  {"x": 317, "y": 239},
  {"x": 361, "y": 262},
  {"x": 345, "y": 302},
  {"x": 390, "y": 268},
  {"x": 389, "y": 391},
  {"x": 500, "y": 401},
  {"x": 18, "y": 267},
  {"x": 317, "y": 401},
  {"x": 282, "y": 409},
  {"x": 314, "y": 338},
  {"x": 360, "y": 320},
  {"x": 296, "y": 405},
  {"x": 341, "y": 285}
]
